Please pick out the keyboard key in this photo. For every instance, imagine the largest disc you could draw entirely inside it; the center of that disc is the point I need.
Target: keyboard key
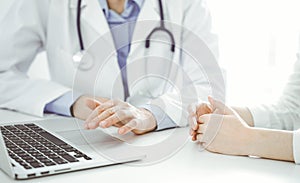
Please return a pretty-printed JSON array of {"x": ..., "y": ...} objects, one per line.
[
  {"x": 87, "y": 158},
  {"x": 26, "y": 158},
  {"x": 50, "y": 164},
  {"x": 59, "y": 161},
  {"x": 23, "y": 154},
  {"x": 27, "y": 167},
  {"x": 24, "y": 165},
  {"x": 18, "y": 160},
  {"x": 45, "y": 151},
  {"x": 5, "y": 132},
  {"x": 69, "y": 158},
  {"x": 66, "y": 146},
  {"x": 10, "y": 128},
  {"x": 31, "y": 161},
  {"x": 41, "y": 158},
  {"x": 52, "y": 138},
  {"x": 30, "y": 125},
  {"x": 18, "y": 151},
  {"x": 45, "y": 160},
  {"x": 61, "y": 153},
  {"x": 36, "y": 164},
  {"x": 32, "y": 147},
  {"x": 14, "y": 157},
  {"x": 21, "y": 127},
  {"x": 52, "y": 156},
  {"x": 79, "y": 155}
]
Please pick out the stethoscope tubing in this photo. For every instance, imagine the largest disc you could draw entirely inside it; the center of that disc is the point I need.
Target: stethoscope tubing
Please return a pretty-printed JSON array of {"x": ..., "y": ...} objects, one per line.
[
  {"x": 78, "y": 23},
  {"x": 162, "y": 28},
  {"x": 147, "y": 44}
]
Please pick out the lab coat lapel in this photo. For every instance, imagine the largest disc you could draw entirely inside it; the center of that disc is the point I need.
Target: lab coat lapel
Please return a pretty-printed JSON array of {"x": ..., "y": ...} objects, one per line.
[
  {"x": 149, "y": 13},
  {"x": 92, "y": 16},
  {"x": 137, "y": 61}
]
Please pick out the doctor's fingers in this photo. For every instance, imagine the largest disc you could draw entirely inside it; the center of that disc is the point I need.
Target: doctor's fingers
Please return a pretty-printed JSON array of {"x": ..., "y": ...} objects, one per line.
[
  {"x": 119, "y": 116},
  {"x": 99, "y": 110},
  {"x": 94, "y": 123},
  {"x": 108, "y": 118},
  {"x": 131, "y": 125},
  {"x": 92, "y": 103}
]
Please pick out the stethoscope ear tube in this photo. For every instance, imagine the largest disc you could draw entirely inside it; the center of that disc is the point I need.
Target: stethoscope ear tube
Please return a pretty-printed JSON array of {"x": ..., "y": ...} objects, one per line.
[
  {"x": 78, "y": 26},
  {"x": 162, "y": 29}
]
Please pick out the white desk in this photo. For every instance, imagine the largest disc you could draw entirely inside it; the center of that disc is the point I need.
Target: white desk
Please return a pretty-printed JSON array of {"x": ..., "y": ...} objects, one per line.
[{"x": 187, "y": 165}]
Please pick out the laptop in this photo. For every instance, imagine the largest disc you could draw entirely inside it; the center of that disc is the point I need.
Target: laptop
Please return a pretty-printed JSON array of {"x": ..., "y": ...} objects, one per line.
[{"x": 47, "y": 147}]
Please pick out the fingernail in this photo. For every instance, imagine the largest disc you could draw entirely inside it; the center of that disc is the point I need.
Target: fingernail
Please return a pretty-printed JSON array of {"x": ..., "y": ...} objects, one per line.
[
  {"x": 85, "y": 125},
  {"x": 200, "y": 119},
  {"x": 121, "y": 131},
  {"x": 192, "y": 132},
  {"x": 103, "y": 124},
  {"x": 92, "y": 125}
]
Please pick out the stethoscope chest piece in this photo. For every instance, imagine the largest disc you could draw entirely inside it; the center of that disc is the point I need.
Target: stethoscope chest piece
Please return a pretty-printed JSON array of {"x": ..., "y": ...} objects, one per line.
[{"x": 80, "y": 63}]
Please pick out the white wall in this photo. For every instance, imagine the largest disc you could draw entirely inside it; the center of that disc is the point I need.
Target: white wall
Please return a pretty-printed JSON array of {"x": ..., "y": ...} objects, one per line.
[{"x": 258, "y": 44}]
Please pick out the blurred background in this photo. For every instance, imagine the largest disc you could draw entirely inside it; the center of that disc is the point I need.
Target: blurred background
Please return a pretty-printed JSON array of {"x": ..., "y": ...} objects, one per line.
[{"x": 258, "y": 45}]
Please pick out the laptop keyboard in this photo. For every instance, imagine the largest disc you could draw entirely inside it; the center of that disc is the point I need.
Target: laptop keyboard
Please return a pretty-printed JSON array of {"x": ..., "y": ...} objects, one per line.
[{"x": 33, "y": 147}]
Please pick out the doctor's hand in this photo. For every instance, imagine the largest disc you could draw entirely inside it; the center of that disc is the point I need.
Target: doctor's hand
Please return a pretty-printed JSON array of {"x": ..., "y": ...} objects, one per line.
[
  {"x": 226, "y": 134},
  {"x": 122, "y": 115},
  {"x": 84, "y": 106}
]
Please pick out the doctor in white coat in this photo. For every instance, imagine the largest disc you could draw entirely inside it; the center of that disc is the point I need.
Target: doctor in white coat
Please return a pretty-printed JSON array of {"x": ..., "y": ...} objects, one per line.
[{"x": 32, "y": 26}]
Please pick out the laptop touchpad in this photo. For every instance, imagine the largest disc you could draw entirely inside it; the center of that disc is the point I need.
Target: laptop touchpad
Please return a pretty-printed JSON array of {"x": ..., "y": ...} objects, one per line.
[{"x": 85, "y": 137}]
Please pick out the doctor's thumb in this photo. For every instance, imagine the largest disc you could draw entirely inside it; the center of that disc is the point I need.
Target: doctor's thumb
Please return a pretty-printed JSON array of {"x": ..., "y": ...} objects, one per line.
[{"x": 92, "y": 103}]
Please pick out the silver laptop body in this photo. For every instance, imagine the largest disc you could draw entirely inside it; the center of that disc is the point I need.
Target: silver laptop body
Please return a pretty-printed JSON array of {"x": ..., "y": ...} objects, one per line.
[{"x": 93, "y": 148}]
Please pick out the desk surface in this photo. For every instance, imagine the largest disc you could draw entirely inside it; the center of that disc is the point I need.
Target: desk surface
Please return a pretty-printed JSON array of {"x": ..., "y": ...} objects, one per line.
[{"x": 187, "y": 165}]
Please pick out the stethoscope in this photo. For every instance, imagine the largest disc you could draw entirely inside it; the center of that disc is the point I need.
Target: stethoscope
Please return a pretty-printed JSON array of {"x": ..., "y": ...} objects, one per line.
[{"x": 77, "y": 58}]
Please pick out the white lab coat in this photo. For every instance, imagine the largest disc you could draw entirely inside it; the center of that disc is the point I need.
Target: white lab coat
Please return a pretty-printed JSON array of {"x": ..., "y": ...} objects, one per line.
[
  {"x": 32, "y": 26},
  {"x": 285, "y": 114}
]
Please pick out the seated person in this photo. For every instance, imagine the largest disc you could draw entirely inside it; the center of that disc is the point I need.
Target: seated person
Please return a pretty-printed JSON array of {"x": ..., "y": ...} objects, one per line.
[{"x": 265, "y": 131}]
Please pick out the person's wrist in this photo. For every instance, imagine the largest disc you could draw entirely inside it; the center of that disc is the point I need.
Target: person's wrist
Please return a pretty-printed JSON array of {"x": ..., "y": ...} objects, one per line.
[
  {"x": 272, "y": 144},
  {"x": 74, "y": 106},
  {"x": 253, "y": 139},
  {"x": 249, "y": 141},
  {"x": 152, "y": 124}
]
